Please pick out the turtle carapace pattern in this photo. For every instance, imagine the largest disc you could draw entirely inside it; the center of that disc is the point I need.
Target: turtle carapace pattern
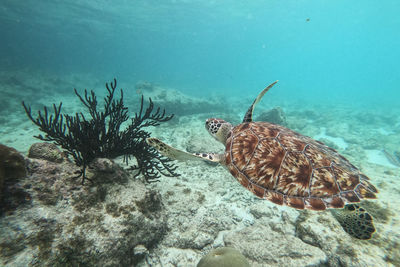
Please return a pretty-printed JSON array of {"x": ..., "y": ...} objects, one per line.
[
  {"x": 287, "y": 168},
  {"x": 281, "y": 165}
]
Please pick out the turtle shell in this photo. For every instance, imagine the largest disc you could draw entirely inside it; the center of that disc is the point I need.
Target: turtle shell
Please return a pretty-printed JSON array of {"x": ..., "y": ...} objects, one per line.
[{"x": 287, "y": 168}]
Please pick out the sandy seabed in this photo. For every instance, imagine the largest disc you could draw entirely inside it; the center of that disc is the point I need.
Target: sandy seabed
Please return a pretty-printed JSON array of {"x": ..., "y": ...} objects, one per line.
[{"x": 205, "y": 207}]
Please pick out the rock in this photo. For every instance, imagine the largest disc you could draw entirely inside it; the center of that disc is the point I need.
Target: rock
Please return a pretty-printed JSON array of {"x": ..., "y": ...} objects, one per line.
[
  {"x": 12, "y": 168},
  {"x": 224, "y": 257},
  {"x": 140, "y": 250},
  {"x": 12, "y": 163},
  {"x": 196, "y": 225},
  {"x": 46, "y": 151},
  {"x": 265, "y": 247},
  {"x": 106, "y": 171},
  {"x": 280, "y": 219},
  {"x": 322, "y": 230},
  {"x": 143, "y": 87},
  {"x": 169, "y": 257},
  {"x": 113, "y": 221},
  {"x": 1, "y": 183},
  {"x": 178, "y": 103},
  {"x": 275, "y": 115}
]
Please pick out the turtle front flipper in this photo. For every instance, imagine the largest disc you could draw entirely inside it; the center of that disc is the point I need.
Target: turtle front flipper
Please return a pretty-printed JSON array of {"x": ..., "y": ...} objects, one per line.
[
  {"x": 248, "y": 117},
  {"x": 177, "y": 154},
  {"x": 355, "y": 221}
]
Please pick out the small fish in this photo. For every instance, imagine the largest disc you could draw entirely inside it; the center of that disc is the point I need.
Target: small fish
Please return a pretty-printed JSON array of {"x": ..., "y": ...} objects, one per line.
[{"x": 394, "y": 159}]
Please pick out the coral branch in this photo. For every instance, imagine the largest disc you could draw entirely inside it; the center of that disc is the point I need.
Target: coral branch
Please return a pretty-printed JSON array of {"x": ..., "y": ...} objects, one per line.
[{"x": 101, "y": 136}]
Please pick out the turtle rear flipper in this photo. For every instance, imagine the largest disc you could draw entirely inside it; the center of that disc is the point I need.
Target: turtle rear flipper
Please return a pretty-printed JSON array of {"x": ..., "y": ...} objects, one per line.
[
  {"x": 356, "y": 221},
  {"x": 176, "y": 154}
]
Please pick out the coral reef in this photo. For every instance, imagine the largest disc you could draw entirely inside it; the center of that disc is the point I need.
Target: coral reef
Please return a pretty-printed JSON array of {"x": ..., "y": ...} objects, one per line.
[
  {"x": 101, "y": 135},
  {"x": 207, "y": 209},
  {"x": 112, "y": 223},
  {"x": 12, "y": 163},
  {"x": 178, "y": 221},
  {"x": 282, "y": 250},
  {"x": 182, "y": 104},
  {"x": 143, "y": 86},
  {"x": 46, "y": 151},
  {"x": 12, "y": 168}
]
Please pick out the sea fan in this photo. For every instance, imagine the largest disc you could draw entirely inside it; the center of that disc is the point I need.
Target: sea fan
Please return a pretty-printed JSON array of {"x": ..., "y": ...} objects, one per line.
[{"x": 99, "y": 134}]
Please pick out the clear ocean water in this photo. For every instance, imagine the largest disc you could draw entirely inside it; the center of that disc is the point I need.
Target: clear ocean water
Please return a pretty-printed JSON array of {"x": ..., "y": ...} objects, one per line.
[
  {"x": 319, "y": 50},
  {"x": 338, "y": 68}
]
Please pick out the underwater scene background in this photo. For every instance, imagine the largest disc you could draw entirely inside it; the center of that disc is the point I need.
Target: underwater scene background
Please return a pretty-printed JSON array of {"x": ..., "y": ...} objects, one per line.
[{"x": 337, "y": 63}]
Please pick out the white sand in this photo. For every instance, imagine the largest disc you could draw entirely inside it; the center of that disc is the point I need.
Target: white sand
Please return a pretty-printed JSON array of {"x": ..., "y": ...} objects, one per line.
[
  {"x": 340, "y": 142},
  {"x": 378, "y": 157}
]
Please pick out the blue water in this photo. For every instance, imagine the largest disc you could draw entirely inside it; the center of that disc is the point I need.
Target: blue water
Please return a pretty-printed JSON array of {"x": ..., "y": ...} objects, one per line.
[{"x": 319, "y": 50}]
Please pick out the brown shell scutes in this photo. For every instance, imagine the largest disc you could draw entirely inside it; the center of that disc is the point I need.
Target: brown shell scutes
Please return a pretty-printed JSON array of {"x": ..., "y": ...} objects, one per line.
[
  {"x": 294, "y": 175},
  {"x": 323, "y": 184},
  {"x": 270, "y": 156},
  {"x": 287, "y": 168},
  {"x": 243, "y": 148}
]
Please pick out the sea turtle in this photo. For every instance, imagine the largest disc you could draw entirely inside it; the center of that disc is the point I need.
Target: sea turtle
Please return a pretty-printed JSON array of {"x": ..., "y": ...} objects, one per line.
[{"x": 287, "y": 168}]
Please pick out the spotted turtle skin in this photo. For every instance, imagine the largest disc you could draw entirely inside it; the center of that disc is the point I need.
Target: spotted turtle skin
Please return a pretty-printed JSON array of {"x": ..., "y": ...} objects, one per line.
[{"x": 287, "y": 168}]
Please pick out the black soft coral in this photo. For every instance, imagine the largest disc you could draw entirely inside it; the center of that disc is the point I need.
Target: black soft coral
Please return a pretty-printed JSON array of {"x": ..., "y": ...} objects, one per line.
[{"x": 99, "y": 134}]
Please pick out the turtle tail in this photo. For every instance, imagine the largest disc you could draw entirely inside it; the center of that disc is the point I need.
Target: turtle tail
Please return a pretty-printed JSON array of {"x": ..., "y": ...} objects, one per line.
[{"x": 355, "y": 221}]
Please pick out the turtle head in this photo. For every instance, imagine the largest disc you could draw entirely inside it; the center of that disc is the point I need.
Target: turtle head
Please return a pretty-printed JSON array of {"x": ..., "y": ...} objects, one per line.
[{"x": 219, "y": 129}]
